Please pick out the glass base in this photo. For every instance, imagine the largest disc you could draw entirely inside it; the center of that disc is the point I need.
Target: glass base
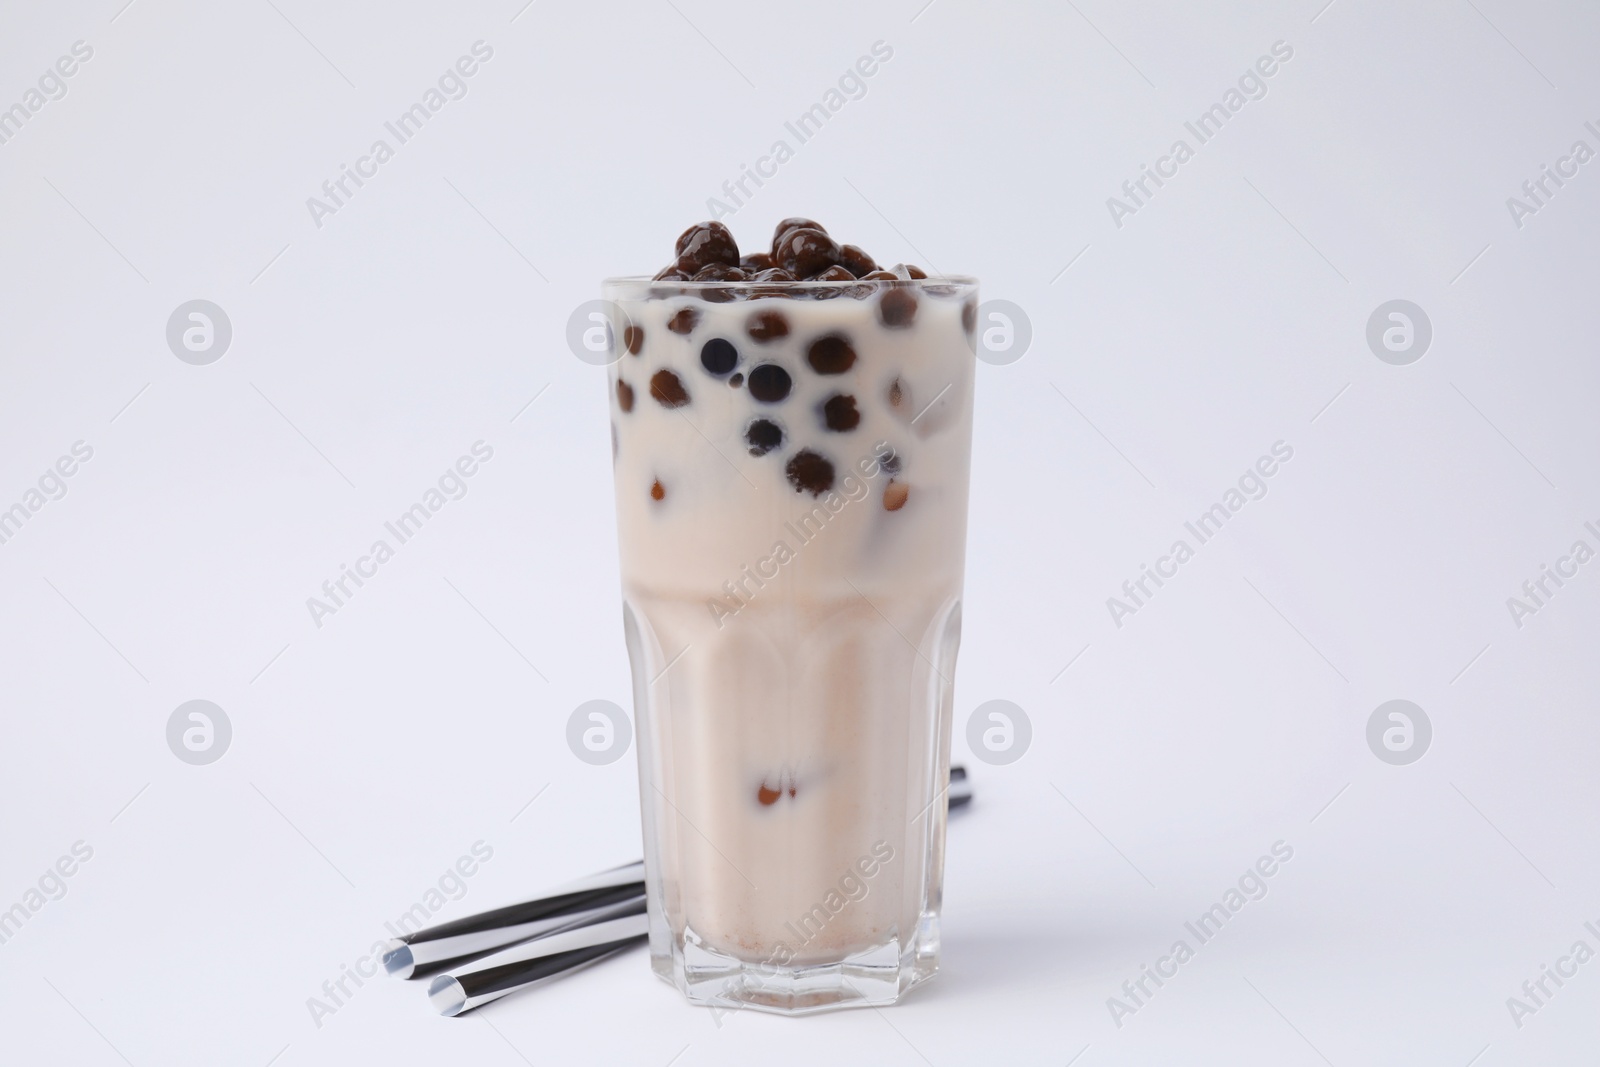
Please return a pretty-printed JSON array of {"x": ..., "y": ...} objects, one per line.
[{"x": 874, "y": 977}]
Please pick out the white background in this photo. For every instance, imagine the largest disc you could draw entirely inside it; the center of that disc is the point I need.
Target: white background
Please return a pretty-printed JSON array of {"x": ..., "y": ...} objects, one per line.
[{"x": 368, "y": 354}]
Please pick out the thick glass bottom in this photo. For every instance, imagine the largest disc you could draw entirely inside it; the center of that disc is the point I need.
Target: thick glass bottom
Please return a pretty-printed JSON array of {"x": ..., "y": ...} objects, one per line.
[{"x": 874, "y": 977}]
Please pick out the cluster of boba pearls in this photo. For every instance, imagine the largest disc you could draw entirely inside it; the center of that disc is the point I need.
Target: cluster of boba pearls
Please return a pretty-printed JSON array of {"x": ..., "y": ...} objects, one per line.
[{"x": 801, "y": 252}]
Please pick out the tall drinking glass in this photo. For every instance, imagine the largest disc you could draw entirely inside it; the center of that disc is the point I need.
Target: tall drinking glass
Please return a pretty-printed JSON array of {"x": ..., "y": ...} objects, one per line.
[{"x": 791, "y": 481}]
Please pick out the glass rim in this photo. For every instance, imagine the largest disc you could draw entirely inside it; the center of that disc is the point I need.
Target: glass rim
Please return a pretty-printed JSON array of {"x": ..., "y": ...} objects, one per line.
[{"x": 964, "y": 281}]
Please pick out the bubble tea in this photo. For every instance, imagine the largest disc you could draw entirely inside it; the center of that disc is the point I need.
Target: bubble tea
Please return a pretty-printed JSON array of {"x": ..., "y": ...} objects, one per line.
[{"x": 792, "y": 434}]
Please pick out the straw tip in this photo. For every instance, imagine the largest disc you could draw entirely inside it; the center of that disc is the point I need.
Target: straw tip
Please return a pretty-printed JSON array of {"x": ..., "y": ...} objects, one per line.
[
  {"x": 446, "y": 994},
  {"x": 398, "y": 961}
]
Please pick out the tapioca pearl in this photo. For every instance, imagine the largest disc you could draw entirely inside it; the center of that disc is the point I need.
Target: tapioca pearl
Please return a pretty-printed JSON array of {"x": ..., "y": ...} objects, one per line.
[
  {"x": 674, "y": 273},
  {"x": 969, "y": 316},
  {"x": 624, "y": 395},
  {"x": 899, "y": 397},
  {"x": 831, "y": 354},
  {"x": 707, "y": 242},
  {"x": 834, "y": 273},
  {"x": 763, "y": 435},
  {"x": 897, "y": 308},
  {"x": 770, "y": 383},
  {"x": 633, "y": 339},
  {"x": 718, "y": 356},
  {"x": 856, "y": 261},
  {"x": 839, "y": 413},
  {"x": 737, "y": 379},
  {"x": 880, "y": 276},
  {"x": 809, "y": 472},
  {"x": 766, "y": 325},
  {"x": 756, "y": 261},
  {"x": 792, "y": 224},
  {"x": 895, "y": 495},
  {"x": 721, "y": 272},
  {"x": 668, "y": 389},
  {"x": 806, "y": 251},
  {"x": 766, "y": 795},
  {"x": 684, "y": 321},
  {"x": 770, "y": 283},
  {"x": 906, "y": 272},
  {"x": 657, "y": 490}
]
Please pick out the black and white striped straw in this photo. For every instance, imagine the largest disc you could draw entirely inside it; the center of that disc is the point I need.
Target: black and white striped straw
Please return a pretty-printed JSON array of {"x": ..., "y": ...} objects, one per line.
[
  {"x": 584, "y": 941},
  {"x": 427, "y": 950}
]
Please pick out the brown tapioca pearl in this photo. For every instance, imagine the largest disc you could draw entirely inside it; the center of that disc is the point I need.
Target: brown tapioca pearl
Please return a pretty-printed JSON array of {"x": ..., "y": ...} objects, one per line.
[
  {"x": 737, "y": 379},
  {"x": 895, "y": 495},
  {"x": 668, "y": 389},
  {"x": 756, "y": 261},
  {"x": 834, "y": 273},
  {"x": 657, "y": 490},
  {"x": 766, "y": 325},
  {"x": 831, "y": 354},
  {"x": 720, "y": 272},
  {"x": 707, "y": 242},
  {"x": 806, "y": 251},
  {"x": 897, "y": 308},
  {"x": 839, "y": 413},
  {"x": 880, "y": 276},
  {"x": 793, "y": 224},
  {"x": 770, "y": 383},
  {"x": 969, "y": 316},
  {"x": 856, "y": 261},
  {"x": 767, "y": 796},
  {"x": 633, "y": 339},
  {"x": 624, "y": 395},
  {"x": 684, "y": 321},
  {"x": 763, "y": 435},
  {"x": 718, "y": 356},
  {"x": 673, "y": 273},
  {"x": 770, "y": 283},
  {"x": 809, "y": 472},
  {"x": 900, "y": 397}
]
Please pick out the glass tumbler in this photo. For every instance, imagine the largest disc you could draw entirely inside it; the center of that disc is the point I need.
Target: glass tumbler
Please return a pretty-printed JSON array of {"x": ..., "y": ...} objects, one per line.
[{"x": 792, "y": 463}]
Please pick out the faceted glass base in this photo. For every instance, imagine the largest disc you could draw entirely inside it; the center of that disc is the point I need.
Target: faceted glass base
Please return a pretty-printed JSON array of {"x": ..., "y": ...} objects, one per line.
[{"x": 875, "y": 977}]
